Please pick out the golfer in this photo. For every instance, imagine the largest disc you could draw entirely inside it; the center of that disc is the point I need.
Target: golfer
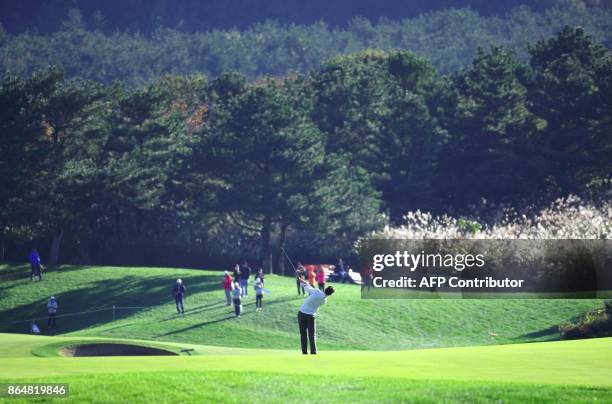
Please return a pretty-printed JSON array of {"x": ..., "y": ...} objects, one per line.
[
  {"x": 179, "y": 291},
  {"x": 307, "y": 315}
]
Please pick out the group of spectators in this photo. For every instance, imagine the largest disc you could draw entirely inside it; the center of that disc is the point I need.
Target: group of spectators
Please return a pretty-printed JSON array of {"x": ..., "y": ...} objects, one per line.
[
  {"x": 310, "y": 273},
  {"x": 236, "y": 287},
  {"x": 341, "y": 273}
]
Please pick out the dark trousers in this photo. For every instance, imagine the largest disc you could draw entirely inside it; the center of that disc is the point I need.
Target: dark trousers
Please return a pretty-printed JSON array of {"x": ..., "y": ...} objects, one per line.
[
  {"x": 308, "y": 330},
  {"x": 237, "y": 306},
  {"x": 179, "y": 304},
  {"x": 258, "y": 301},
  {"x": 322, "y": 286},
  {"x": 36, "y": 271},
  {"x": 51, "y": 320},
  {"x": 300, "y": 287}
]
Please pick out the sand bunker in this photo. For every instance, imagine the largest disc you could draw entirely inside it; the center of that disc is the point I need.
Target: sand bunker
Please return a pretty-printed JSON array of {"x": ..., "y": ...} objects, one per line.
[{"x": 112, "y": 350}]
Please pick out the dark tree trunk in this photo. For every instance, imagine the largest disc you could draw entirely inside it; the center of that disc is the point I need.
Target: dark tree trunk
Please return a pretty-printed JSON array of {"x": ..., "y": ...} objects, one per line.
[
  {"x": 2, "y": 247},
  {"x": 56, "y": 242},
  {"x": 266, "y": 246},
  {"x": 118, "y": 223}
]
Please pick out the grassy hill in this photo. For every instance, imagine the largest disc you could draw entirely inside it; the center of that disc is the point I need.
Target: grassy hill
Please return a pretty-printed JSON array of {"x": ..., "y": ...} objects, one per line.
[
  {"x": 346, "y": 322},
  {"x": 568, "y": 371}
]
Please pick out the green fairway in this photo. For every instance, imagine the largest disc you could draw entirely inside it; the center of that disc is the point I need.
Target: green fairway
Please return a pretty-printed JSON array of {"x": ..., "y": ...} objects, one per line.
[
  {"x": 347, "y": 322},
  {"x": 580, "y": 370}
]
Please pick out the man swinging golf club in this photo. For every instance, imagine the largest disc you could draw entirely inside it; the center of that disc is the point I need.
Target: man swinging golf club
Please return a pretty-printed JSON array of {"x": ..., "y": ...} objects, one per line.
[{"x": 308, "y": 313}]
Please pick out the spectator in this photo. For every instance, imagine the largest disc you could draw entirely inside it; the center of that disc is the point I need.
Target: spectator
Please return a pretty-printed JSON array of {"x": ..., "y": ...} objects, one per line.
[
  {"x": 227, "y": 286},
  {"x": 260, "y": 275},
  {"x": 179, "y": 291},
  {"x": 367, "y": 278},
  {"x": 236, "y": 294},
  {"x": 310, "y": 271},
  {"x": 34, "y": 328},
  {"x": 259, "y": 294},
  {"x": 35, "y": 265},
  {"x": 321, "y": 277},
  {"x": 237, "y": 273},
  {"x": 299, "y": 275},
  {"x": 245, "y": 274},
  {"x": 52, "y": 312},
  {"x": 340, "y": 267}
]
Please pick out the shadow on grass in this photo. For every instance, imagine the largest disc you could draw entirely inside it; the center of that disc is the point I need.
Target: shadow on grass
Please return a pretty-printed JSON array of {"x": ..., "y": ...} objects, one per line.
[
  {"x": 126, "y": 291},
  {"x": 549, "y": 333},
  {"x": 226, "y": 317},
  {"x": 191, "y": 327}
]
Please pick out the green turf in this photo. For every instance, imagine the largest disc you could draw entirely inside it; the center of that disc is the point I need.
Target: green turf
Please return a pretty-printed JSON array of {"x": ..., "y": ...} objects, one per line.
[
  {"x": 540, "y": 372},
  {"x": 346, "y": 322},
  {"x": 260, "y": 387}
]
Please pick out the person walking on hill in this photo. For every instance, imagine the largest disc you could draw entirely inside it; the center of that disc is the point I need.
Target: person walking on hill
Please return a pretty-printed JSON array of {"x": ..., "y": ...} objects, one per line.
[
  {"x": 52, "y": 312},
  {"x": 245, "y": 274},
  {"x": 179, "y": 291},
  {"x": 35, "y": 265},
  {"x": 308, "y": 313},
  {"x": 236, "y": 294},
  {"x": 227, "y": 287}
]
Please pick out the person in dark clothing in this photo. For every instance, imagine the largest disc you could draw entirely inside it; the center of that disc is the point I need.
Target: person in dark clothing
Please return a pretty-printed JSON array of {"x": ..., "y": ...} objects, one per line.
[
  {"x": 236, "y": 273},
  {"x": 35, "y": 265},
  {"x": 340, "y": 271},
  {"x": 300, "y": 274},
  {"x": 179, "y": 291},
  {"x": 245, "y": 274}
]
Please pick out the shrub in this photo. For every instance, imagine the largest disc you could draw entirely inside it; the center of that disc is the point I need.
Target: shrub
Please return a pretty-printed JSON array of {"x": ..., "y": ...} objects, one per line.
[{"x": 595, "y": 323}]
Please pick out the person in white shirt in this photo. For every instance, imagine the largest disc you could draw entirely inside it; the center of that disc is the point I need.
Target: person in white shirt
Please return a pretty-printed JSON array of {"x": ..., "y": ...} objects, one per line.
[
  {"x": 52, "y": 311},
  {"x": 308, "y": 313}
]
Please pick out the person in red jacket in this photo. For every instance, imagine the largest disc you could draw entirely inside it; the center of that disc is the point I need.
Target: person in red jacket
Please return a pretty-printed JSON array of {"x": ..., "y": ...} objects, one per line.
[
  {"x": 310, "y": 272},
  {"x": 228, "y": 282}
]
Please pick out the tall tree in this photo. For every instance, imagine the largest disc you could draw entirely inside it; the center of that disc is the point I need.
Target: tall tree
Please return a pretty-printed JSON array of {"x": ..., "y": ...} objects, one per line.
[
  {"x": 485, "y": 157},
  {"x": 571, "y": 92}
]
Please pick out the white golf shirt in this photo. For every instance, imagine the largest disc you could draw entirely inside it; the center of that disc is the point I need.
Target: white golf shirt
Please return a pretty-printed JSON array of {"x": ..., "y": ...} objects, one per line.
[{"x": 314, "y": 301}]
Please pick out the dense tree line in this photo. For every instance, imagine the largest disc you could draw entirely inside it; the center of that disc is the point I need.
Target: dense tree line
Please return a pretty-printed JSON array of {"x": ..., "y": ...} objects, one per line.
[
  {"x": 448, "y": 38},
  {"x": 145, "y": 16},
  {"x": 187, "y": 170}
]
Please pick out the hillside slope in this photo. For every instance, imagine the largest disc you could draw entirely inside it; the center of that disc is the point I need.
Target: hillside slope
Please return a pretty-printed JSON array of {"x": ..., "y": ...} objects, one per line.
[{"x": 346, "y": 322}]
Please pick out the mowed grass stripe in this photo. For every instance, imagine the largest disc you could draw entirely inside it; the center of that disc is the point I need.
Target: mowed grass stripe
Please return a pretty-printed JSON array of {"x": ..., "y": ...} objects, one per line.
[
  {"x": 584, "y": 362},
  {"x": 260, "y": 387}
]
